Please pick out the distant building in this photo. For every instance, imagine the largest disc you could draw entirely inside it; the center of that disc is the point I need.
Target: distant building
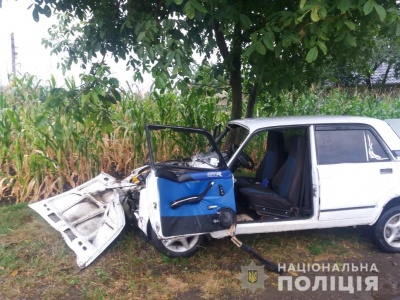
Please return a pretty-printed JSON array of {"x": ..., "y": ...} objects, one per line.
[{"x": 385, "y": 77}]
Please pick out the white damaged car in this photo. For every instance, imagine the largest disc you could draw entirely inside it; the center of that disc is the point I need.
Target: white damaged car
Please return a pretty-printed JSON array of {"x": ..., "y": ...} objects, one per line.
[{"x": 303, "y": 173}]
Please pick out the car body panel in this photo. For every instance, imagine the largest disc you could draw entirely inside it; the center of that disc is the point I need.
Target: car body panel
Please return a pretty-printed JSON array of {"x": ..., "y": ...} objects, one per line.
[
  {"x": 339, "y": 181},
  {"x": 293, "y": 225},
  {"x": 395, "y": 125},
  {"x": 89, "y": 217}
]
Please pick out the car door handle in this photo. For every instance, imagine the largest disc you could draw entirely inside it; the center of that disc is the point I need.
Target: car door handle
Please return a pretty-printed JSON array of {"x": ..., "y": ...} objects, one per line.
[
  {"x": 191, "y": 199},
  {"x": 386, "y": 171}
]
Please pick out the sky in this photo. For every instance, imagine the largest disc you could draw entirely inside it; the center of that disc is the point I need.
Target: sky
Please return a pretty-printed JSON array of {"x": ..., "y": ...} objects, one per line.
[{"x": 32, "y": 57}]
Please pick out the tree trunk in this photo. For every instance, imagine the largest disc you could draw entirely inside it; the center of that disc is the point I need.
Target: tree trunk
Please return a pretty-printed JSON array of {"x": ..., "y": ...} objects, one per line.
[
  {"x": 234, "y": 64},
  {"x": 252, "y": 100},
  {"x": 233, "y": 61},
  {"x": 385, "y": 76},
  {"x": 369, "y": 75},
  {"x": 235, "y": 73},
  {"x": 368, "y": 81}
]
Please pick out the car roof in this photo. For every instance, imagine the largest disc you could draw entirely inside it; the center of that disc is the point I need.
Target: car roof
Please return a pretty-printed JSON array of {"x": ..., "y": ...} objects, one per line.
[
  {"x": 395, "y": 124},
  {"x": 253, "y": 124},
  {"x": 386, "y": 132}
]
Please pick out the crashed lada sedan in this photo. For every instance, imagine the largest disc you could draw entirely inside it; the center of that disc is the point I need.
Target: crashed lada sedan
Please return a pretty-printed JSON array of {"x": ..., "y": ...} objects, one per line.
[{"x": 303, "y": 173}]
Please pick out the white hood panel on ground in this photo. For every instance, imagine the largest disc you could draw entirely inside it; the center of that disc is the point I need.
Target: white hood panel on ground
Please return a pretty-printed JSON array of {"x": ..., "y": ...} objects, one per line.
[{"x": 89, "y": 217}]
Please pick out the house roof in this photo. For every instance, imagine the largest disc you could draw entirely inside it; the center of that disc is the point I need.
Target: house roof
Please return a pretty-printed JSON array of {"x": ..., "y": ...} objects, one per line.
[{"x": 380, "y": 73}]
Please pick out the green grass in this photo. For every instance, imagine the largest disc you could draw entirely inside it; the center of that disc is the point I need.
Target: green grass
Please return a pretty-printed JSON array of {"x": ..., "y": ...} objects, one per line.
[
  {"x": 13, "y": 217},
  {"x": 317, "y": 247},
  {"x": 34, "y": 259}
]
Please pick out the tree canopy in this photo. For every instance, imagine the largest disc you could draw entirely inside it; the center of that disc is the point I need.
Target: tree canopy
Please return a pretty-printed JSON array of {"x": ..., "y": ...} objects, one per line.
[{"x": 264, "y": 45}]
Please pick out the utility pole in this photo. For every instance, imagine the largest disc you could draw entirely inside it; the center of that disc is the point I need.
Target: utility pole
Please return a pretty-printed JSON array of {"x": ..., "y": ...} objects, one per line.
[{"x": 13, "y": 53}]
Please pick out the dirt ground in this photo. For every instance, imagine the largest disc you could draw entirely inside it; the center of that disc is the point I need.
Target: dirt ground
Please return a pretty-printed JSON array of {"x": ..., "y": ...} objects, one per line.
[
  {"x": 388, "y": 275},
  {"x": 384, "y": 267}
]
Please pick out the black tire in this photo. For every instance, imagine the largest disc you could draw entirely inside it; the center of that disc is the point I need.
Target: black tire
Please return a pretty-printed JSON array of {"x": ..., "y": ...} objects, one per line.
[
  {"x": 387, "y": 230},
  {"x": 183, "y": 247}
]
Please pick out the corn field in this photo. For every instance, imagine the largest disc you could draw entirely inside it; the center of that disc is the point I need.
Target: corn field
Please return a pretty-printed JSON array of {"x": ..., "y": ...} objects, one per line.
[{"x": 52, "y": 139}]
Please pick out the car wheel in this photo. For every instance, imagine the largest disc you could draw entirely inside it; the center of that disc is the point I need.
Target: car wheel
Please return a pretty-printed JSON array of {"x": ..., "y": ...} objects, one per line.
[
  {"x": 387, "y": 230},
  {"x": 177, "y": 247}
]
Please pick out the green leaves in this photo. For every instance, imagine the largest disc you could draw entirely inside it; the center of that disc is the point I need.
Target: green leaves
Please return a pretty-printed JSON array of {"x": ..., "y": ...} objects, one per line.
[
  {"x": 261, "y": 41},
  {"x": 267, "y": 37},
  {"x": 314, "y": 14},
  {"x": 189, "y": 10},
  {"x": 317, "y": 11},
  {"x": 344, "y": 5},
  {"x": 245, "y": 21},
  {"x": 140, "y": 36},
  {"x": 45, "y": 10},
  {"x": 370, "y": 5},
  {"x": 323, "y": 47},
  {"x": 191, "y": 6},
  {"x": 380, "y": 11},
  {"x": 350, "y": 40},
  {"x": 249, "y": 50},
  {"x": 350, "y": 24},
  {"x": 35, "y": 13},
  {"x": 261, "y": 48},
  {"x": 160, "y": 82},
  {"x": 312, "y": 55},
  {"x": 268, "y": 40},
  {"x": 196, "y": 4}
]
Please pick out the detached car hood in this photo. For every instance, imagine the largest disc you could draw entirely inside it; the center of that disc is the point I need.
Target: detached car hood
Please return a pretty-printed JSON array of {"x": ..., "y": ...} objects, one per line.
[{"x": 89, "y": 217}]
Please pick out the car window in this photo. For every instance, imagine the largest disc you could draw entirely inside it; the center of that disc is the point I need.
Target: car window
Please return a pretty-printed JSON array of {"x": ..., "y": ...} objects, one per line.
[
  {"x": 233, "y": 135},
  {"x": 256, "y": 149},
  {"x": 348, "y": 146},
  {"x": 257, "y": 146},
  {"x": 375, "y": 150}
]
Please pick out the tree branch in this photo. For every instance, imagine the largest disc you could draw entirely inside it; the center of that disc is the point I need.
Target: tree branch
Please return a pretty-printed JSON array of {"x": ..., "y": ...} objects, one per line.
[
  {"x": 385, "y": 76},
  {"x": 221, "y": 43}
]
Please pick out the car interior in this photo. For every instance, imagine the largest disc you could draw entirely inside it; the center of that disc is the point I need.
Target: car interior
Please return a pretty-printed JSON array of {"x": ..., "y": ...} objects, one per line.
[
  {"x": 272, "y": 172},
  {"x": 279, "y": 186}
]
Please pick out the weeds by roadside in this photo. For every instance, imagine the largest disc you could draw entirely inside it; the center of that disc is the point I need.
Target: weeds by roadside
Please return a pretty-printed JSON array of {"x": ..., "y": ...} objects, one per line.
[{"x": 35, "y": 263}]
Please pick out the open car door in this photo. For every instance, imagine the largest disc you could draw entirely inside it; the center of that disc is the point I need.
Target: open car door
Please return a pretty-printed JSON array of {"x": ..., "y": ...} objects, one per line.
[
  {"x": 89, "y": 217},
  {"x": 197, "y": 195}
]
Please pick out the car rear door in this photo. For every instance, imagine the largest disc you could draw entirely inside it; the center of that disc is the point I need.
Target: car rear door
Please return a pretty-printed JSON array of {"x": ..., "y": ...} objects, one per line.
[{"x": 355, "y": 171}]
